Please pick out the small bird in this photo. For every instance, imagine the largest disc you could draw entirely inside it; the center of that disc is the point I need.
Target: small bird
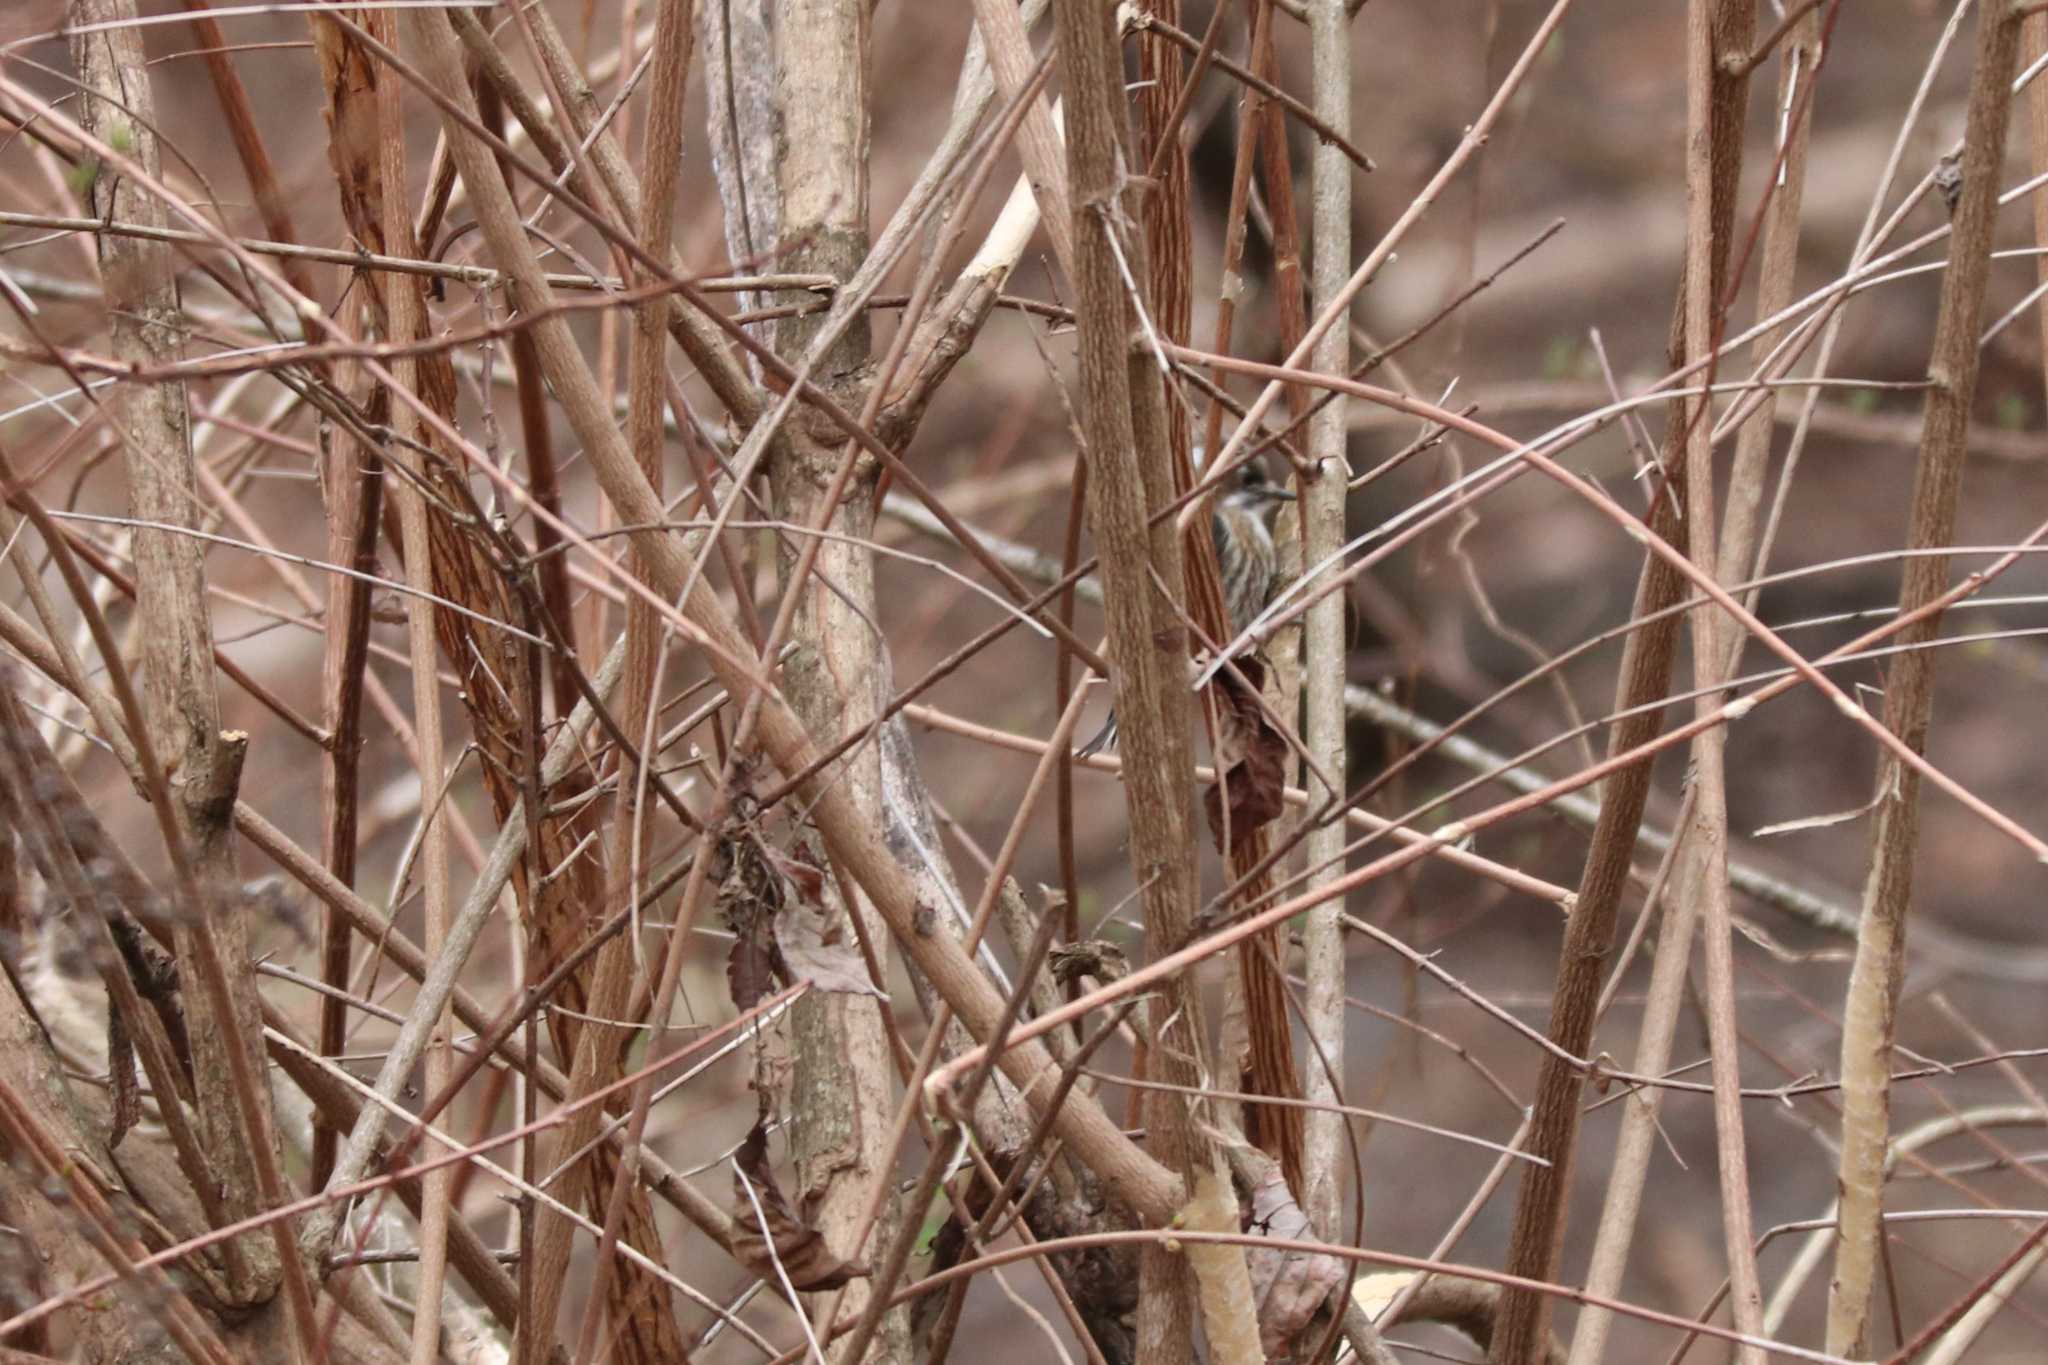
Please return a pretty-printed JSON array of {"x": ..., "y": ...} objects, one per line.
[{"x": 1240, "y": 526}]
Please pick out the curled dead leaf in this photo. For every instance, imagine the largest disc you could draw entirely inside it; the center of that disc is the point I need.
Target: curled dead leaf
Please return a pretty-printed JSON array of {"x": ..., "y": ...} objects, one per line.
[
  {"x": 1289, "y": 1286},
  {"x": 816, "y": 946},
  {"x": 126, "y": 1088},
  {"x": 748, "y": 895},
  {"x": 1251, "y": 756},
  {"x": 1096, "y": 957},
  {"x": 799, "y": 869},
  {"x": 798, "y": 1248},
  {"x": 783, "y": 930}
]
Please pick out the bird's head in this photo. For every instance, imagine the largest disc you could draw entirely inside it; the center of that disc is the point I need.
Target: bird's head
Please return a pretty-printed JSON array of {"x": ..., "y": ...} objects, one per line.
[{"x": 1248, "y": 489}]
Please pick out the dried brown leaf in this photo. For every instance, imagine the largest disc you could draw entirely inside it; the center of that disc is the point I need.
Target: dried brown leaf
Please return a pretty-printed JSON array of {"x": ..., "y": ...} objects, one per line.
[
  {"x": 787, "y": 1241},
  {"x": 127, "y": 1093},
  {"x": 812, "y": 943},
  {"x": 748, "y": 896},
  {"x": 1096, "y": 957},
  {"x": 1252, "y": 757},
  {"x": 1290, "y": 1287},
  {"x": 799, "y": 868},
  {"x": 814, "y": 946},
  {"x": 783, "y": 932},
  {"x": 750, "y": 966}
]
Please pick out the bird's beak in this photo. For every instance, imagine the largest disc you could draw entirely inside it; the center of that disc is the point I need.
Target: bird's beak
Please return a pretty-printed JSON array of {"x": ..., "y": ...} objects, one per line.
[{"x": 1279, "y": 494}]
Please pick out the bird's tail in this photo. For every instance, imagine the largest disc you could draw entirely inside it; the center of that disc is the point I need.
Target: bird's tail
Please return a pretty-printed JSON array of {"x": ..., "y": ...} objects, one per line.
[{"x": 1105, "y": 739}]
